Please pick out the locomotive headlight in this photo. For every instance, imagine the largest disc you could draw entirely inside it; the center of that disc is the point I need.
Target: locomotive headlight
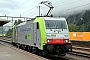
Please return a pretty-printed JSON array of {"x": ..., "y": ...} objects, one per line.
[
  {"x": 66, "y": 40},
  {"x": 56, "y": 31},
  {"x": 49, "y": 41}
]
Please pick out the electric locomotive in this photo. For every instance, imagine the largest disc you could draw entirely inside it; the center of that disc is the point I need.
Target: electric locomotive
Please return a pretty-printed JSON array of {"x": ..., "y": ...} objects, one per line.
[{"x": 47, "y": 35}]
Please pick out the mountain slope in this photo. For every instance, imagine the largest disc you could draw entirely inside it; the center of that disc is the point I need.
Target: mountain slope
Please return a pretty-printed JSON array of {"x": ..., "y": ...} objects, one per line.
[{"x": 81, "y": 21}]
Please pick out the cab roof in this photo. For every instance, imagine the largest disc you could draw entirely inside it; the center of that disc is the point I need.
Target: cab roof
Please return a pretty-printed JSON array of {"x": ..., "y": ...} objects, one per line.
[{"x": 54, "y": 18}]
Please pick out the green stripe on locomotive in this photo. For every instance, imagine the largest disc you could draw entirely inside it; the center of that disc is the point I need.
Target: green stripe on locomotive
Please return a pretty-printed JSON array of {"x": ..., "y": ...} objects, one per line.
[{"x": 42, "y": 27}]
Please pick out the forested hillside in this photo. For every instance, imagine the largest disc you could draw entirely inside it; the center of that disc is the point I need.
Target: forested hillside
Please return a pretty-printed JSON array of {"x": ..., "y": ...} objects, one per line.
[{"x": 79, "y": 22}]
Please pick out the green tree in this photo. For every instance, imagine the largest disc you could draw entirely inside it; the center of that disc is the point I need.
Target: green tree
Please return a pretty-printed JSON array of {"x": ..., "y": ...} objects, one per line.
[
  {"x": 18, "y": 22},
  {"x": 81, "y": 25},
  {"x": 72, "y": 27},
  {"x": 15, "y": 23},
  {"x": 9, "y": 33}
]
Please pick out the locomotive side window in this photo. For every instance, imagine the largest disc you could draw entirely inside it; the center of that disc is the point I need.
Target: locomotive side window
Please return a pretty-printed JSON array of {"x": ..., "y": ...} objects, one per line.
[{"x": 37, "y": 25}]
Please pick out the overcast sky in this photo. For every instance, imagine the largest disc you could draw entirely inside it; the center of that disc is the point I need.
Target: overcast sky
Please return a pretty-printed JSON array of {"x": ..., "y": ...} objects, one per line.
[
  {"x": 28, "y": 8},
  {"x": 61, "y": 7}
]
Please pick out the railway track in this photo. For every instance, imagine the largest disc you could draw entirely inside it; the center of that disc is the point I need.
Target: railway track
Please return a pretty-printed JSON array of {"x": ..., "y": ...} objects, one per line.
[
  {"x": 80, "y": 51},
  {"x": 77, "y": 51},
  {"x": 80, "y": 54},
  {"x": 82, "y": 48},
  {"x": 9, "y": 44}
]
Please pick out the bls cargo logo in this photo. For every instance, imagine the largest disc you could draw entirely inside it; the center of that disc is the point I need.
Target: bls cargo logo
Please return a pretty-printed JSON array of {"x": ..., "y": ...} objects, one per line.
[
  {"x": 25, "y": 29},
  {"x": 28, "y": 37}
]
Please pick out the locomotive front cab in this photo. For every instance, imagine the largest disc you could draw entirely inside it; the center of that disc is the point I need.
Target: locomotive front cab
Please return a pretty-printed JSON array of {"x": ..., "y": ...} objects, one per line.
[{"x": 57, "y": 36}]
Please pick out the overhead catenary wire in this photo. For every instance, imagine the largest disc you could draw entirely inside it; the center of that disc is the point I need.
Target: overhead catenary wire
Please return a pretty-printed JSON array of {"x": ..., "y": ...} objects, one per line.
[
  {"x": 32, "y": 13},
  {"x": 74, "y": 8},
  {"x": 28, "y": 10},
  {"x": 67, "y": 3},
  {"x": 55, "y": 6},
  {"x": 60, "y": 2},
  {"x": 19, "y": 6},
  {"x": 31, "y": 9},
  {"x": 22, "y": 3}
]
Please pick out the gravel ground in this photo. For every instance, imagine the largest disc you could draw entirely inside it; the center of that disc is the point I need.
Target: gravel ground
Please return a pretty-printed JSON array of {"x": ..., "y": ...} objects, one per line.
[
  {"x": 11, "y": 53},
  {"x": 20, "y": 57},
  {"x": 73, "y": 57}
]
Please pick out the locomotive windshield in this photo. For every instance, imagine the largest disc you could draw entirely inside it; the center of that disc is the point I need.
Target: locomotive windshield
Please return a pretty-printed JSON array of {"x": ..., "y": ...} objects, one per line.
[{"x": 55, "y": 24}]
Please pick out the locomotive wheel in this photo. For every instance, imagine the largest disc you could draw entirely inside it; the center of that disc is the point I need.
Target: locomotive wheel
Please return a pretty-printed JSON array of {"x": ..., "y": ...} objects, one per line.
[
  {"x": 23, "y": 47},
  {"x": 26, "y": 48},
  {"x": 29, "y": 48},
  {"x": 13, "y": 43},
  {"x": 34, "y": 50},
  {"x": 40, "y": 53},
  {"x": 17, "y": 45}
]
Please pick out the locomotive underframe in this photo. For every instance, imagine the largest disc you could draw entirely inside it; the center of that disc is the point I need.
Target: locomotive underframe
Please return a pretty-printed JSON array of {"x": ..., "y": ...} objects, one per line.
[{"x": 57, "y": 49}]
